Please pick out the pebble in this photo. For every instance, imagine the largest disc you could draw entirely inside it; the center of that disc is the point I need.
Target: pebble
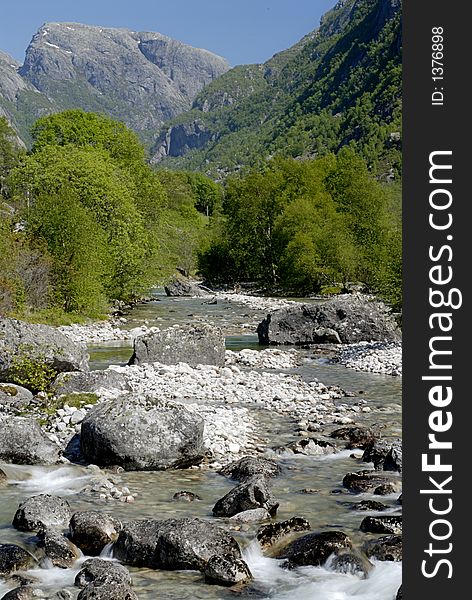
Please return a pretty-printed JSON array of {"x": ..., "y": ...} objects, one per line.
[{"x": 372, "y": 357}]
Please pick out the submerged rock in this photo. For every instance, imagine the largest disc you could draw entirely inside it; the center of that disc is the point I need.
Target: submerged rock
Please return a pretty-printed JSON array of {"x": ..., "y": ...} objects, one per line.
[
  {"x": 369, "y": 505},
  {"x": 248, "y": 466},
  {"x": 388, "y": 547},
  {"x": 14, "y": 558},
  {"x": 200, "y": 344},
  {"x": 270, "y": 534},
  {"x": 356, "y": 437},
  {"x": 345, "y": 319},
  {"x": 99, "y": 571},
  {"x": 253, "y": 492},
  {"x": 91, "y": 531},
  {"x": 142, "y": 433},
  {"x": 23, "y": 442},
  {"x": 21, "y": 343},
  {"x": 184, "y": 496},
  {"x": 173, "y": 544},
  {"x": 308, "y": 447},
  {"x": 368, "y": 481},
  {"x": 350, "y": 563},
  {"x": 315, "y": 548},
  {"x": 42, "y": 512}
]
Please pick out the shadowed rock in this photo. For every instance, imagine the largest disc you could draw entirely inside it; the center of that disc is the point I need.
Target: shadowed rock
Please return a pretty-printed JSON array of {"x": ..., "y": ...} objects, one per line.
[{"x": 23, "y": 442}]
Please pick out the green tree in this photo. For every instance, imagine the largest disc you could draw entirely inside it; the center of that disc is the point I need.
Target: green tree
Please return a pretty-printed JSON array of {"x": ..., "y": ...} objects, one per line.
[{"x": 78, "y": 248}]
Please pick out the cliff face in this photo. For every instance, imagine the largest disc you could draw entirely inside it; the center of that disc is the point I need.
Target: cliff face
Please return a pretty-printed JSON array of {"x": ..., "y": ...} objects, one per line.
[{"x": 141, "y": 78}]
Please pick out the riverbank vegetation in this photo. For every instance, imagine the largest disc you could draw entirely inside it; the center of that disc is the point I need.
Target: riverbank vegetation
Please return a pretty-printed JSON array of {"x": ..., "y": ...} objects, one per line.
[{"x": 84, "y": 221}]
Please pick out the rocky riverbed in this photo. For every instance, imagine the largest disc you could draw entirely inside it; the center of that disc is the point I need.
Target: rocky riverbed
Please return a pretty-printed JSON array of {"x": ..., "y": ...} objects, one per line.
[{"x": 321, "y": 453}]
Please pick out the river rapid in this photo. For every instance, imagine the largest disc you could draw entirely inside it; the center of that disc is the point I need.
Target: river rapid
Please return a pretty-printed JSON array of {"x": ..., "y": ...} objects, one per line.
[{"x": 376, "y": 401}]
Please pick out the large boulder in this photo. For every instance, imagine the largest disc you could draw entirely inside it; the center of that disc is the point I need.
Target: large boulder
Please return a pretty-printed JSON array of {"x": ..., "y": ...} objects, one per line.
[
  {"x": 91, "y": 531},
  {"x": 253, "y": 492},
  {"x": 89, "y": 383},
  {"x": 42, "y": 512},
  {"x": 315, "y": 548},
  {"x": 346, "y": 319},
  {"x": 24, "y": 592},
  {"x": 173, "y": 544},
  {"x": 142, "y": 433},
  {"x": 250, "y": 465},
  {"x": 200, "y": 344},
  {"x": 22, "y": 344},
  {"x": 179, "y": 286},
  {"x": 22, "y": 441},
  {"x": 13, "y": 558}
]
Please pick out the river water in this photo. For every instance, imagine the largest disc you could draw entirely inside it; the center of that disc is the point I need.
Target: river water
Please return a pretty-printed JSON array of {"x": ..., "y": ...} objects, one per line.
[{"x": 329, "y": 507}]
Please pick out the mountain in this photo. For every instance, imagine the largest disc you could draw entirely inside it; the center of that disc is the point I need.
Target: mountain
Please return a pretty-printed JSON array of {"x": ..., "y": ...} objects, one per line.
[
  {"x": 141, "y": 78},
  {"x": 20, "y": 102},
  {"x": 341, "y": 84}
]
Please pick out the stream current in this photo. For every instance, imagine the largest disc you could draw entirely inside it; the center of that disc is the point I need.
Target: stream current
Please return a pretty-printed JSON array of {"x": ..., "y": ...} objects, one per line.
[{"x": 328, "y": 506}]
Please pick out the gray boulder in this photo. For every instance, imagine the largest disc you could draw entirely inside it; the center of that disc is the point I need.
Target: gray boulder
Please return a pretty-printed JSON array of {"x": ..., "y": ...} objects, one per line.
[
  {"x": 14, "y": 396},
  {"x": 20, "y": 342},
  {"x": 315, "y": 548},
  {"x": 22, "y": 441},
  {"x": 251, "y": 516},
  {"x": 199, "y": 344},
  {"x": 13, "y": 558},
  {"x": 89, "y": 383},
  {"x": 346, "y": 319},
  {"x": 142, "y": 433},
  {"x": 42, "y": 512},
  {"x": 91, "y": 531},
  {"x": 99, "y": 571},
  {"x": 250, "y": 465},
  {"x": 183, "y": 287},
  {"x": 254, "y": 492},
  {"x": 173, "y": 544}
]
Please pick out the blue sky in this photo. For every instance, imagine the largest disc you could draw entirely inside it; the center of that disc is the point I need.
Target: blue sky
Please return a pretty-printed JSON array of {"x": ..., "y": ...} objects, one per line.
[{"x": 243, "y": 31}]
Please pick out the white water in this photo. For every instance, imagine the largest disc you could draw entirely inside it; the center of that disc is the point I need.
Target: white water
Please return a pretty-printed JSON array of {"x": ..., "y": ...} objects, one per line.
[
  {"x": 308, "y": 583},
  {"x": 65, "y": 480}
]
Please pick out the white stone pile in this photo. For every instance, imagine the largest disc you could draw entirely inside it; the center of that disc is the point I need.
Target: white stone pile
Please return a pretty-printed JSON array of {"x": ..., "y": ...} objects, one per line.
[
  {"x": 256, "y": 302},
  {"x": 104, "y": 331},
  {"x": 264, "y": 359},
  {"x": 373, "y": 357}
]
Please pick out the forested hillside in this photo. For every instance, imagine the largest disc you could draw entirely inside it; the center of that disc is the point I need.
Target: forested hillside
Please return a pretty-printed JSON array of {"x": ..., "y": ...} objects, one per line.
[{"x": 340, "y": 85}]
